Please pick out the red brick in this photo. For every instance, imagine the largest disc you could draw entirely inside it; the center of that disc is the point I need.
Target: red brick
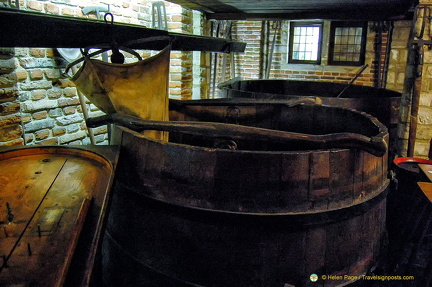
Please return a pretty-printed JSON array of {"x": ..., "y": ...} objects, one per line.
[
  {"x": 36, "y": 74},
  {"x": 51, "y": 8},
  {"x": 68, "y": 102},
  {"x": 327, "y": 78},
  {"x": 68, "y": 11},
  {"x": 38, "y": 53},
  {"x": 69, "y": 110},
  {"x": 70, "y": 92},
  {"x": 38, "y": 95},
  {"x": 312, "y": 77},
  {"x": 176, "y": 77},
  {"x": 50, "y": 53},
  {"x": 42, "y": 134},
  {"x": 10, "y": 120},
  {"x": 21, "y": 75},
  {"x": 51, "y": 141},
  {"x": 40, "y": 115},
  {"x": 9, "y": 108},
  {"x": 9, "y": 94},
  {"x": 10, "y": 133},
  {"x": 15, "y": 142},
  {"x": 52, "y": 74},
  {"x": 34, "y": 5},
  {"x": 63, "y": 83},
  {"x": 58, "y": 131},
  {"x": 175, "y": 84},
  {"x": 54, "y": 94},
  {"x": 176, "y": 18}
]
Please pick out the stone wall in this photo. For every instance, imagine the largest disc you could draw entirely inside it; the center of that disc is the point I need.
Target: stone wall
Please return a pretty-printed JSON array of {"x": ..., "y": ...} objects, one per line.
[
  {"x": 398, "y": 56},
  {"x": 40, "y": 105},
  {"x": 424, "y": 119},
  {"x": 11, "y": 131},
  {"x": 421, "y": 125}
]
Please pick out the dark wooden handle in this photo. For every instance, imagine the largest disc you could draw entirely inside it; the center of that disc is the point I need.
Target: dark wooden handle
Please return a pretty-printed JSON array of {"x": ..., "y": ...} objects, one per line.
[{"x": 374, "y": 145}]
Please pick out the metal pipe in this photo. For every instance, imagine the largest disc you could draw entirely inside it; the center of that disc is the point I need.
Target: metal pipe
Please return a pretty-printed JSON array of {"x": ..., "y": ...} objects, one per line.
[
  {"x": 218, "y": 24},
  {"x": 262, "y": 49},
  {"x": 415, "y": 99},
  {"x": 353, "y": 80},
  {"x": 224, "y": 56},
  {"x": 378, "y": 54},
  {"x": 276, "y": 26},
  {"x": 387, "y": 55}
]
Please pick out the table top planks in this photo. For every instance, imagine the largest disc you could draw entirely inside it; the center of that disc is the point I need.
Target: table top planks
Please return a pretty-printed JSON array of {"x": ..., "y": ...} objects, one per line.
[{"x": 44, "y": 201}]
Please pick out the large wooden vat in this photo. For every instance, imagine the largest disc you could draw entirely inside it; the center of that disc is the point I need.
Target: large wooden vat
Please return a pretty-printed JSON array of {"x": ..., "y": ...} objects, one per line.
[
  {"x": 190, "y": 213},
  {"x": 53, "y": 203},
  {"x": 381, "y": 103}
]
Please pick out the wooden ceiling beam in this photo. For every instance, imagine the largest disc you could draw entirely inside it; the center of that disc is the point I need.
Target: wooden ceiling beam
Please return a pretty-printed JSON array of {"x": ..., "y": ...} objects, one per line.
[
  {"x": 364, "y": 10},
  {"x": 31, "y": 29}
]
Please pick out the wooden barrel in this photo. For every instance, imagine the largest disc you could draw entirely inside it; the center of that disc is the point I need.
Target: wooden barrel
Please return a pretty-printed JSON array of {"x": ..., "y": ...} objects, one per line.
[
  {"x": 381, "y": 103},
  {"x": 190, "y": 213}
]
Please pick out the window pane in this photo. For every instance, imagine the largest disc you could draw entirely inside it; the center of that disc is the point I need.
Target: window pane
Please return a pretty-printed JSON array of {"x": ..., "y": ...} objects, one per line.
[
  {"x": 347, "y": 44},
  {"x": 306, "y": 43}
]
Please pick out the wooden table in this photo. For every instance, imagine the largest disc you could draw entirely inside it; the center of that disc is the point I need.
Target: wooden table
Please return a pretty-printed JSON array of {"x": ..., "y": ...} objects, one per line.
[
  {"x": 427, "y": 170},
  {"x": 53, "y": 203}
]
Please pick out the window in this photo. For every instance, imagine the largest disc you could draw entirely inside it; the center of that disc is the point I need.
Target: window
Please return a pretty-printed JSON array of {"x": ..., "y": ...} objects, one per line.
[
  {"x": 347, "y": 43},
  {"x": 305, "y": 42}
]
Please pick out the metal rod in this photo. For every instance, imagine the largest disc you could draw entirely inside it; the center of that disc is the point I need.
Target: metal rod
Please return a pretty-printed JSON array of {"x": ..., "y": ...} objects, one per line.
[
  {"x": 5, "y": 259},
  {"x": 224, "y": 56},
  {"x": 215, "y": 62},
  {"x": 387, "y": 55},
  {"x": 378, "y": 54},
  {"x": 276, "y": 26},
  {"x": 353, "y": 80},
  {"x": 415, "y": 99}
]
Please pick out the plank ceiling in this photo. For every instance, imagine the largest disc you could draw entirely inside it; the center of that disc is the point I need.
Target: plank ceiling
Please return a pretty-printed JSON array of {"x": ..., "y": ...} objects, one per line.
[{"x": 373, "y": 10}]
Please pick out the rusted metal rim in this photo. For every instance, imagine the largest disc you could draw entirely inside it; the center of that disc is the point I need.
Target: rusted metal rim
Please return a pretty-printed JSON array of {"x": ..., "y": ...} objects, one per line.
[
  {"x": 400, "y": 160},
  {"x": 312, "y": 218}
]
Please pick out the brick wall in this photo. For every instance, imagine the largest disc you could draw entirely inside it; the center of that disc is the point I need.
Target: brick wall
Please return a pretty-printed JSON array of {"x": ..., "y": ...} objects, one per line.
[
  {"x": 251, "y": 63},
  {"x": 11, "y": 132},
  {"x": 248, "y": 63},
  {"x": 180, "y": 86},
  {"x": 37, "y": 94}
]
